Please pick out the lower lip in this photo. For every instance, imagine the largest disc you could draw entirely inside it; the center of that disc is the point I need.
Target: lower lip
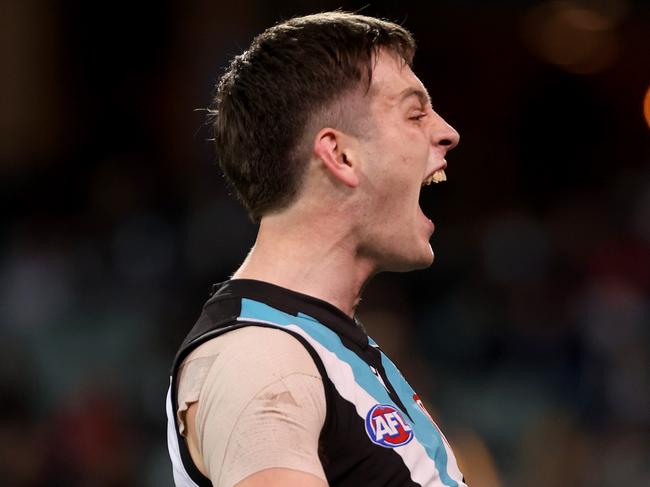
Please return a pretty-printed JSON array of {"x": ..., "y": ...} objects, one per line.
[
  {"x": 431, "y": 226},
  {"x": 429, "y": 222}
]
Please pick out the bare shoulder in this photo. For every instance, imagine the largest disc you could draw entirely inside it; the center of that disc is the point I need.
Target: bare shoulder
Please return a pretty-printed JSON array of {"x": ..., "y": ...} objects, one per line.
[
  {"x": 267, "y": 350},
  {"x": 262, "y": 384}
]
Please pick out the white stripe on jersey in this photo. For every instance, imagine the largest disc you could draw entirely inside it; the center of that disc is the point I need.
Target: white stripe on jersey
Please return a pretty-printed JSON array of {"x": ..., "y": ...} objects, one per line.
[{"x": 181, "y": 477}]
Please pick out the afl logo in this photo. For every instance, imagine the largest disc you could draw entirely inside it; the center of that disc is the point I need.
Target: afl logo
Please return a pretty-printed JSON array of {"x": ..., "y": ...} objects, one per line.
[{"x": 386, "y": 427}]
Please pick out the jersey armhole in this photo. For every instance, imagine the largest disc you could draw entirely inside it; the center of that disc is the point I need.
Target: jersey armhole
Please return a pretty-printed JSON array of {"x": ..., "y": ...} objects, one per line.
[{"x": 194, "y": 473}]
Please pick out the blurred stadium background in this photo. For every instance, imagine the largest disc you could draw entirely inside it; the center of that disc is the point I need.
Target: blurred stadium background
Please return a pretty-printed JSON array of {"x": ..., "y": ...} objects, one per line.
[{"x": 529, "y": 338}]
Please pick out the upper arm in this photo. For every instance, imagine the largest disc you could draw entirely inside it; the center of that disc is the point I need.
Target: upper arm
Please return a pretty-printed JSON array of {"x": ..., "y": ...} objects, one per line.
[
  {"x": 261, "y": 411},
  {"x": 281, "y": 477}
]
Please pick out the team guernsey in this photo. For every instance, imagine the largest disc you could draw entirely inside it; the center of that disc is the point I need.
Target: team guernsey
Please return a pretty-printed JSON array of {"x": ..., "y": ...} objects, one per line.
[{"x": 376, "y": 431}]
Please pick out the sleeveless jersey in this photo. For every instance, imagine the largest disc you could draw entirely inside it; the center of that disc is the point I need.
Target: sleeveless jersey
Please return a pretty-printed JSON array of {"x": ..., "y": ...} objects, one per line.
[{"x": 376, "y": 430}]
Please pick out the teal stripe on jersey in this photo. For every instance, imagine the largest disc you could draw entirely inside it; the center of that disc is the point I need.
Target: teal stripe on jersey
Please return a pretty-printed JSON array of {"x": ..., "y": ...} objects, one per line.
[{"x": 425, "y": 432}]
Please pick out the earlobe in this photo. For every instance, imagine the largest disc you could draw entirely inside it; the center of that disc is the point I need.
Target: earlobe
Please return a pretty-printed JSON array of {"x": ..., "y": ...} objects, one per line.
[{"x": 328, "y": 148}]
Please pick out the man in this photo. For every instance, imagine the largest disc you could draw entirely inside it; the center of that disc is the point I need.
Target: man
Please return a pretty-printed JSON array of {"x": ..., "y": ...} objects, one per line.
[{"x": 327, "y": 137}]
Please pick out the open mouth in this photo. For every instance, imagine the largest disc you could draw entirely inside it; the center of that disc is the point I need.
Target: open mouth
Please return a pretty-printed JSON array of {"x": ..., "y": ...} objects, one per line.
[{"x": 437, "y": 177}]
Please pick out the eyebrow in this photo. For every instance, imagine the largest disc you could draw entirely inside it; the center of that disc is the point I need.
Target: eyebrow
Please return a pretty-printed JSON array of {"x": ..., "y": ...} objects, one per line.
[{"x": 421, "y": 95}]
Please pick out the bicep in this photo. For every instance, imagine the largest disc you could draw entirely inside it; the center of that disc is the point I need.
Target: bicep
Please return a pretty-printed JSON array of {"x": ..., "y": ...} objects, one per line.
[
  {"x": 281, "y": 477},
  {"x": 261, "y": 411}
]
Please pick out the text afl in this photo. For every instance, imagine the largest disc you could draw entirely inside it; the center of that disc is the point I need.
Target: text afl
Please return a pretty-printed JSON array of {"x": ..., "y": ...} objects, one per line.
[{"x": 386, "y": 427}]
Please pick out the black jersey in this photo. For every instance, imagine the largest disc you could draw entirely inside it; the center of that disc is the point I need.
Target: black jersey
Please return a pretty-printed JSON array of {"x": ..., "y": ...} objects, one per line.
[{"x": 376, "y": 430}]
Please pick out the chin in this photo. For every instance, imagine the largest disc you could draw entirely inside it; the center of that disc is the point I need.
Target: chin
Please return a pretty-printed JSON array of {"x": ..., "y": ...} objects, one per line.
[
  {"x": 422, "y": 256},
  {"x": 424, "y": 262},
  {"x": 420, "y": 259}
]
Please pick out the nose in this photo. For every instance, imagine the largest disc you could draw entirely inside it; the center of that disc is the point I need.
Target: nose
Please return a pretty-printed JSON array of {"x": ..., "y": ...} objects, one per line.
[{"x": 444, "y": 135}]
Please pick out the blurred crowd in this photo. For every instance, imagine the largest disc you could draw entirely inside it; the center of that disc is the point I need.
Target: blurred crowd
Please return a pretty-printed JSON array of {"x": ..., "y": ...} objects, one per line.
[{"x": 529, "y": 338}]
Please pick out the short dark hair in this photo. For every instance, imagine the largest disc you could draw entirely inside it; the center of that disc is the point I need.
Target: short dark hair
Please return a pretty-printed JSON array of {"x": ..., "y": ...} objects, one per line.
[{"x": 270, "y": 94}]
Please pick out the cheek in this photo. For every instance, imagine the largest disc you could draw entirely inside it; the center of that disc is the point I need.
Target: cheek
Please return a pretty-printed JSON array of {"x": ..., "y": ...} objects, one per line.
[{"x": 396, "y": 182}]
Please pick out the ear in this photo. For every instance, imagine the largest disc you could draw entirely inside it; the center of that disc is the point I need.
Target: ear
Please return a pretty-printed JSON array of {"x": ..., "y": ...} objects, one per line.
[{"x": 329, "y": 148}]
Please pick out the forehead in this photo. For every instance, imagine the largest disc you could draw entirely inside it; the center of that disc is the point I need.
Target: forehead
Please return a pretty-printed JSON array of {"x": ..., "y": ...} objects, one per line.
[{"x": 393, "y": 81}]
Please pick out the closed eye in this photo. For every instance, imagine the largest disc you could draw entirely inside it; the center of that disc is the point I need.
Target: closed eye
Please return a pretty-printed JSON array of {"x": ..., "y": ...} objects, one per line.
[{"x": 418, "y": 116}]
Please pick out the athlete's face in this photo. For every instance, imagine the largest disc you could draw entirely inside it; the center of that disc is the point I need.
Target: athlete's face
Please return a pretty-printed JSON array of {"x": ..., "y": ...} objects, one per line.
[{"x": 405, "y": 146}]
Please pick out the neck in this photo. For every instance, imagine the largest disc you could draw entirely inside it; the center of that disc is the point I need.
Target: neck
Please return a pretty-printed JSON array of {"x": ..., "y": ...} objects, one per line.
[{"x": 320, "y": 260}]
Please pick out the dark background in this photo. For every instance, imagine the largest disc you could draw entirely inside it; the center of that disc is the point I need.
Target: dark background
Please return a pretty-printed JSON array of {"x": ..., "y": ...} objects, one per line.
[{"x": 529, "y": 338}]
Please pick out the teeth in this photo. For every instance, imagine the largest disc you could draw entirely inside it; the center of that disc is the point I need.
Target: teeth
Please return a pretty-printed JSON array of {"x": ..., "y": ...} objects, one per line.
[{"x": 437, "y": 177}]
